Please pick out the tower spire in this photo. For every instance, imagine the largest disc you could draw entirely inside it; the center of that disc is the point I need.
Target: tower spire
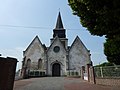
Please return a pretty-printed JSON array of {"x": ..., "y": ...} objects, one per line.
[
  {"x": 60, "y": 32},
  {"x": 59, "y": 24},
  {"x": 59, "y": 29}
]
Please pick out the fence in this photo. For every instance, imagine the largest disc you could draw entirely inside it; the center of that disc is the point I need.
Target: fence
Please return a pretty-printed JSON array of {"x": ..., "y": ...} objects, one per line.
[
  {"x": 107, "y": 72},
  {"x": 107, "y": 75},
  {"x": 37, "y": 73},
  {"x": 73, "y": 73}
]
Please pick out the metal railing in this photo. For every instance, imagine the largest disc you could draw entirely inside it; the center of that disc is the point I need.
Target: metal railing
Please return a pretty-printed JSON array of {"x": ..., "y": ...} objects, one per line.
[
  {"x": 73, "y": 73},
  {"x": 37, "y": 73},
  {"x": 107, "y": 71}
]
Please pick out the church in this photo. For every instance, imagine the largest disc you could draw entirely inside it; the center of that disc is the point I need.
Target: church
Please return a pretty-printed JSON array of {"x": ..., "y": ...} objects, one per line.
[{"x": 57, "y": 59}]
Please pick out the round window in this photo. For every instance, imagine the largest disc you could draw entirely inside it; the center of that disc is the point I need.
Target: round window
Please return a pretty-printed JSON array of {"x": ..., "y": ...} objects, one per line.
[{"x": 56, "y": 49}]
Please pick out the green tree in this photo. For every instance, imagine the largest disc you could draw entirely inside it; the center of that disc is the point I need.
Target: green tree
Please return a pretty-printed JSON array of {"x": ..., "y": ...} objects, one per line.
[
  {"x": 112, "y": 50},
  {"x": 101, "y": 17}
]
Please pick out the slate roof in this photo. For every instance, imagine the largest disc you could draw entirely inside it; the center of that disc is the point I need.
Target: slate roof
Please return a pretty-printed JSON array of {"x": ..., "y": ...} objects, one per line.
[{"x": 59, "y": 24}]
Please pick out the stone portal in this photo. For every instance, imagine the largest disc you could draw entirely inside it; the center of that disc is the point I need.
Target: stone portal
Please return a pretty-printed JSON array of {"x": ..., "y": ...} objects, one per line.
[{"x": 56, "y": 69}]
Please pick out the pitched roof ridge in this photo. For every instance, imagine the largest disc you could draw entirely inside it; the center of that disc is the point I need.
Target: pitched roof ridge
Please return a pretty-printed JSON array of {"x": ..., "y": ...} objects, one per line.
[
  {"x": 77, "y": 37},
  {"x": 36, "y": 37},
  {"x": 54, "y": 41}
]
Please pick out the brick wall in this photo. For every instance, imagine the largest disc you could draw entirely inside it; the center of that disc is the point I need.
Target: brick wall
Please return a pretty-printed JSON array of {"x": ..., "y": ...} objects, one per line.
[
  {"x": 91, "y": 75},
  {"x": 108, "y": 81},
  {"x": 7, "y": 73}
]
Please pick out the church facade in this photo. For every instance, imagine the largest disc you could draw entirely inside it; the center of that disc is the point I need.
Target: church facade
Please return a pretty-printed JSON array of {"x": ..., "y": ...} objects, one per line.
[{"x": 58, "y": 58}]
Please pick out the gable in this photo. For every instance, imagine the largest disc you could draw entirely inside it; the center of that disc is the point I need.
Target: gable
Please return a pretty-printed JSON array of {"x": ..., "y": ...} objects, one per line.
[
  {"x": 35, "y": 46},
  {"x": 78, "y": 44},
  {"x": 56, "y": 43},
  {"x": 78, "y": 54}
]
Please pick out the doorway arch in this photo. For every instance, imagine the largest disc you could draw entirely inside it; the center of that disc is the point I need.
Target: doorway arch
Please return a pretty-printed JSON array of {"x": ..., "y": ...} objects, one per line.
[{"x": 56, "y": 69}]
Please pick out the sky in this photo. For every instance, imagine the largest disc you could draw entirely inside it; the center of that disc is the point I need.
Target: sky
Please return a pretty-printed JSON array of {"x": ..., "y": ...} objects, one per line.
[{"x": 22, "y": 20}]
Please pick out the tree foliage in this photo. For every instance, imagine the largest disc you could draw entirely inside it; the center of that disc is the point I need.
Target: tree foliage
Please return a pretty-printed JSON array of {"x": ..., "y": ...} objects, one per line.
[
  {"x": 101, "y": 17},
  {"x": 112, "y": 50}
]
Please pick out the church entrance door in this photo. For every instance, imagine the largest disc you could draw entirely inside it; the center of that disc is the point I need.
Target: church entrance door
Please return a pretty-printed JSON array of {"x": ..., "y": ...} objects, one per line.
[{"x": 56, "y": 69}]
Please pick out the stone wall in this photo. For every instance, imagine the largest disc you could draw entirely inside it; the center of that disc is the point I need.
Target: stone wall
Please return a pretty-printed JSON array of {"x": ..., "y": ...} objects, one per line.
[
  {"x": 35, "y": 52},
  {"x": 56, "y": 57},
  {"x": 102, "y": 81},
  {"x": 108, "y": 81},
  {"x": 78, "y": 55}
]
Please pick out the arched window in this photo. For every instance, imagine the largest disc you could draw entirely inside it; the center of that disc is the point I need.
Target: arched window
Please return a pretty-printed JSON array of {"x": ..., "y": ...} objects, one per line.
[
  {"x": 40, "y": 63},
  {"x": 23, "y": 62},
  {"x": 28, "y": 63}
]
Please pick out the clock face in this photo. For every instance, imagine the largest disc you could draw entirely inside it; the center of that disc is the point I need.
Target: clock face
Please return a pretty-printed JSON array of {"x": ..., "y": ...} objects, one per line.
[{"x": 56, "y": 49}]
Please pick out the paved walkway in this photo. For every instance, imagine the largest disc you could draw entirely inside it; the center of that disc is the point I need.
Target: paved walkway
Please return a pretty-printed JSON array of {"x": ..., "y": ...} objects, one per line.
[{"x": 58, "y": 83}]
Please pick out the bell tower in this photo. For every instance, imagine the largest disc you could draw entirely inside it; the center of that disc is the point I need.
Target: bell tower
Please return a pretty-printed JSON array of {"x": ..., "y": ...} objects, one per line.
[{"x": 60, "y": 32}]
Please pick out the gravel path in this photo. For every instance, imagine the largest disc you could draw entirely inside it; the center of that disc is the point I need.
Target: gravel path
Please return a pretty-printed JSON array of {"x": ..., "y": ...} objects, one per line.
[{"x": 58, "y": 83}]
